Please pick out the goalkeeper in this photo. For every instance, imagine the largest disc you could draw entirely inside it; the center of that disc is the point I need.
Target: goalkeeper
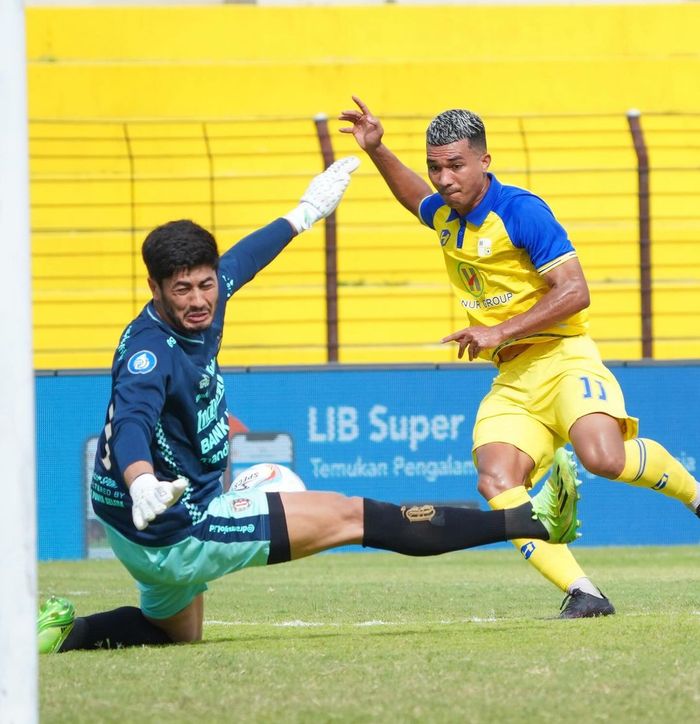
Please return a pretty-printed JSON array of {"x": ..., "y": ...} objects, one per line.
[{"x": 161, "y": 455}]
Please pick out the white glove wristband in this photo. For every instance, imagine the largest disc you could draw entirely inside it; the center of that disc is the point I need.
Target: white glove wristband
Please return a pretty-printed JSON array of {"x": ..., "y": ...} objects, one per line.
[{"x": 302, "y": 217}]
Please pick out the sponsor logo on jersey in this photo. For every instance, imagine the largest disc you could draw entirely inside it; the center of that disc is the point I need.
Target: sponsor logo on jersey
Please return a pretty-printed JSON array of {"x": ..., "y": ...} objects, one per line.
[
  {"x": 444, "y": 236},
  {"x": 472, "y": 279},
  {"x": 142, "y": 362}
]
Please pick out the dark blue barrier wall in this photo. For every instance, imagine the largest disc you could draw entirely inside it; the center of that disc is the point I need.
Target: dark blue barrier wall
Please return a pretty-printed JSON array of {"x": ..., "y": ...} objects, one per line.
[{"x": 400, "y": 434}]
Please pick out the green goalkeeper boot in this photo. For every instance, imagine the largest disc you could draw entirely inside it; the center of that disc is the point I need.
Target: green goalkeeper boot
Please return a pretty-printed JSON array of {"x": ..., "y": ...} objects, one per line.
[
  {"x": 555, "y": 505},
  {"x": 56, "y": 618}
]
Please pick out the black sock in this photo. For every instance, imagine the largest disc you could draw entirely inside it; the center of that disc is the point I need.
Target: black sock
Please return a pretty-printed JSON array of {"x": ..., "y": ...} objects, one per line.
[
  {"x": 428, "y": 530},
  {"x": 125, "y": 626},
  {"x": 521, "y": 524}
]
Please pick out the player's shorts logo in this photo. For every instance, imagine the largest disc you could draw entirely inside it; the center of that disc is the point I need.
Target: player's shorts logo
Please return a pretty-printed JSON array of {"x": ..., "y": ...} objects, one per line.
[
  {"x": 472, "y": 279},
  {"x": 238, "y": 505},
  {"x": 142, "y": 362}
]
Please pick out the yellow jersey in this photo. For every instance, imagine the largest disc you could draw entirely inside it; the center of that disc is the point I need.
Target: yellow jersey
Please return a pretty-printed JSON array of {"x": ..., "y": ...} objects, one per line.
[{"x": 496, "y": 256}]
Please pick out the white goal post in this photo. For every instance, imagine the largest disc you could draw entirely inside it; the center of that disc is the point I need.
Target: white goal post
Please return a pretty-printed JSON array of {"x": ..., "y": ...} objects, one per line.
[{"x": 18, "y": 648}]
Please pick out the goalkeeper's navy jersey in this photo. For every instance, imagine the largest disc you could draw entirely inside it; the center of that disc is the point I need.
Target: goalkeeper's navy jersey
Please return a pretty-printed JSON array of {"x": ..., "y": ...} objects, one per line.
[{"x": 168, "y": 405}]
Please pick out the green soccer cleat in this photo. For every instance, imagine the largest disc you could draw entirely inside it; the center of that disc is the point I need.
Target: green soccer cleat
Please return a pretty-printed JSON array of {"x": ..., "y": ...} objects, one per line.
[
  {"x": 55, "y": 622},
  {"x": 555, "y": 505}
]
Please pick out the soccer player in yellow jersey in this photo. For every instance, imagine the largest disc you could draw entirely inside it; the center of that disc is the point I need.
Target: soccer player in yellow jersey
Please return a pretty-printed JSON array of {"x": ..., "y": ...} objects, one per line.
[{"x": 525, "y": 297}]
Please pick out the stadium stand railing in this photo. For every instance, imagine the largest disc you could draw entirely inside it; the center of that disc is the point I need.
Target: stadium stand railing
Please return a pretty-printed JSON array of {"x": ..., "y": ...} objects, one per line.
[{"x": 99, "y": 186}]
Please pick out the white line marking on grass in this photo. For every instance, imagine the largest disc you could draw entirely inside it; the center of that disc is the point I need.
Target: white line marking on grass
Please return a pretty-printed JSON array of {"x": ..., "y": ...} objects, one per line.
[
  {"x": 400, "y": 624},
  {"x": 358, "y": 624}
]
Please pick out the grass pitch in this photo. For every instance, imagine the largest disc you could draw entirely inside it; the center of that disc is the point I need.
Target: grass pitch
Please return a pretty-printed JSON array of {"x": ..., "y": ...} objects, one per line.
[{"x": 465, "y": 637}]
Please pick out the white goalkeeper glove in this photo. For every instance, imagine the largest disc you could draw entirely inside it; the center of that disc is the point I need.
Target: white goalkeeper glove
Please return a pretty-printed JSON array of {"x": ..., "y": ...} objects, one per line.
[
  {"x": 323, "y": 194},
  {"x": 151, "y": 497}
]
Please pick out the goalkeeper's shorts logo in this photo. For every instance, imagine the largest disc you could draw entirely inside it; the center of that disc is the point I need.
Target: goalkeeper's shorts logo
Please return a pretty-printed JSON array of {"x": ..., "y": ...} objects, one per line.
[
  {"x": 418, "y": 513},
  {"x": 527, "y": 550}
]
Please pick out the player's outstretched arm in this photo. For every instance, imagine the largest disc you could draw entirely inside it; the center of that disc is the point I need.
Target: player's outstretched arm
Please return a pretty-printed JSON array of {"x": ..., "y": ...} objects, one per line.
[{"x": 406, "y": 185}]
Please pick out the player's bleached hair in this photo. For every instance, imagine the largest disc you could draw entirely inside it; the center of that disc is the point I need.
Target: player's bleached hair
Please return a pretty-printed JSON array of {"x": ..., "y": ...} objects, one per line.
[
  {"x": 178, "y": 246},
  {"x": 457, "y": 125}
]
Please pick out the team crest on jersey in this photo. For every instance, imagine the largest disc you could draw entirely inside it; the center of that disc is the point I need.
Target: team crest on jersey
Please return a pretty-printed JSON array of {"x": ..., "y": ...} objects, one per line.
[
  {"x": 483, "y": 247},
  {"x": 444, "y": 236},
  {"x": 472, "y": 279},
  {"x": 142, "y": 362}
]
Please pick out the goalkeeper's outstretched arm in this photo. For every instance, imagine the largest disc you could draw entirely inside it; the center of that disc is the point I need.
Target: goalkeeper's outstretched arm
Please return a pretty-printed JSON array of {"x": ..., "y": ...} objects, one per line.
[{"x": 255, "y": 251}]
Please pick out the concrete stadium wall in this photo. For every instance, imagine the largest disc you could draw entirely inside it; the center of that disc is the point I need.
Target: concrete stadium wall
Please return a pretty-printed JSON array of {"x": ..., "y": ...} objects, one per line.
[{"x": 233, "y": 61}]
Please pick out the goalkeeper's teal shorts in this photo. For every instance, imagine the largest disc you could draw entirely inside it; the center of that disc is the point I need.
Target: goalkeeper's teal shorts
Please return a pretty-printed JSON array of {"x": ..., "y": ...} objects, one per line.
[{"x": 170, "y": 577}]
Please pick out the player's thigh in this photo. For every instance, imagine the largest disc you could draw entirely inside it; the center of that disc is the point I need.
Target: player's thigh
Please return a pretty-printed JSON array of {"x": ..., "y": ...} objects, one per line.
[
  {"x": 515, "y": 447},
  {"x": 598, "y": 442},
  {"x": 501, "y": 466},
  {"x": 317, "y": 521}
]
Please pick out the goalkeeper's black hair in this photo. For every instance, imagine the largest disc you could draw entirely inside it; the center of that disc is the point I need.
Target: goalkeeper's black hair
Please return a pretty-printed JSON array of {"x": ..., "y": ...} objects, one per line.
[{"x": 178, "y": 246}]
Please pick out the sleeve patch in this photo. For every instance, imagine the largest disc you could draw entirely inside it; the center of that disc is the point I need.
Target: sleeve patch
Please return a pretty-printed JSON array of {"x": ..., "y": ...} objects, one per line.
[{"x": 141, "y": 363}]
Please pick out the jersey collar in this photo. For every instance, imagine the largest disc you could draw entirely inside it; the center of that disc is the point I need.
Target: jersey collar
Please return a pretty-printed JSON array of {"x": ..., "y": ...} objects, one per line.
[{"x": 478, "y": 214}]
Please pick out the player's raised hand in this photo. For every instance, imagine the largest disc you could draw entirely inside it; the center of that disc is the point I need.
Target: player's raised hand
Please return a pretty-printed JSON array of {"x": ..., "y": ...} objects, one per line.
[
  {"x": 474, "y": 340},
  {"x": 366, "y": 128},
  {"x": 151, "y": 497}
]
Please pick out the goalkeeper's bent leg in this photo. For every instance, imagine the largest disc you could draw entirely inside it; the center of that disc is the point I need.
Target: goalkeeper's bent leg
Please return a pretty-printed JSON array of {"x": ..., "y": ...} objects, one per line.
[{"x": 116, "y": 629}]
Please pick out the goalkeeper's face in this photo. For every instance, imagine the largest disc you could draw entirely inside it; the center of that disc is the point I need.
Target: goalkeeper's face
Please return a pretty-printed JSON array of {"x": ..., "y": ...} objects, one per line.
[{"x": 187, "y": 300}]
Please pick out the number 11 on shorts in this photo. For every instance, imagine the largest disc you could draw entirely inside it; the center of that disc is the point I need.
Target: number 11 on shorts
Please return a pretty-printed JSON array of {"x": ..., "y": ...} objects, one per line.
[{"x": 588, "y": 389}]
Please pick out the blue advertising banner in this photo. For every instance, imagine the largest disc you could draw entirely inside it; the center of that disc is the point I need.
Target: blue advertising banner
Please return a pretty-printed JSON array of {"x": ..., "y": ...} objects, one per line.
[{"x": 400, "y": 434}]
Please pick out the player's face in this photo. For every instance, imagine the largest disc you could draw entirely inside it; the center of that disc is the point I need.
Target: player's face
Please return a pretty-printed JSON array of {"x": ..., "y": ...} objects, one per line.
[
  {"x": 187, "y": 299},
  {"x": 458, "y": 173}
]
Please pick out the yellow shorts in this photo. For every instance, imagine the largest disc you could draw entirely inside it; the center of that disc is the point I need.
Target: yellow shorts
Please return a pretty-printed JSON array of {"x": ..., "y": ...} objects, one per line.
[{"x": 536, "y": 398}]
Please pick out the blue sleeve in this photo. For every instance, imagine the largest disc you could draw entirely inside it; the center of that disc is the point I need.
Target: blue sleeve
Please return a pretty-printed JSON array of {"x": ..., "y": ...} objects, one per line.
[
  {"x": 139, "y": 389},
  {"x": 253, "y": 253},
  {"x": 427, "y": 208},
  {"x": 532, "y": 226}
]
